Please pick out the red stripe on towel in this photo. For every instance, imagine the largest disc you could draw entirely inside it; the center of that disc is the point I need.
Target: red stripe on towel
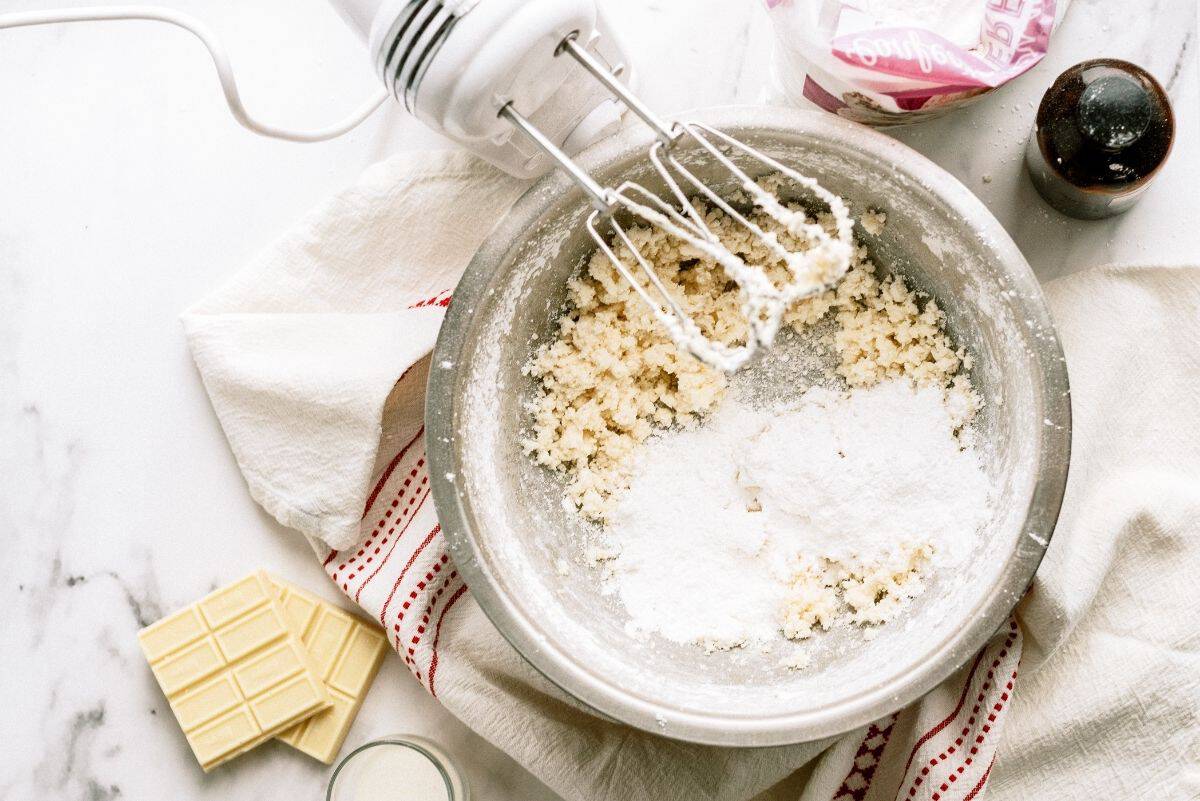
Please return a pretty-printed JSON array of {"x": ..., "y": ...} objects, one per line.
[
  {"x": 949, "y": 718},
  {"x": 437, "y": 635},
  {"x": 973, "y": 746},
  {"x": 395, "y": 586},
  {"x": 436, "y": 300},
  {"x": 420, "y": 625},
  {"x": 366, "y": 545},
  {"x": 978, "y": 712},
  {"x": 387, "y": 471},
  {"x": 391, "y": 550},
  {"x": 982, "y": 781}
]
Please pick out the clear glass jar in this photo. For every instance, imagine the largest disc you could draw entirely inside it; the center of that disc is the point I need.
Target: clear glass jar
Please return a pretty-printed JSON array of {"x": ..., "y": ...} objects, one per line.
[{"x": 399, "y": 767}]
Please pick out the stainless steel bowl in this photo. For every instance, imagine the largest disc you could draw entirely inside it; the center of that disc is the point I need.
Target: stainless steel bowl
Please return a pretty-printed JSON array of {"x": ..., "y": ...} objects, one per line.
[{"x": 507, "y": 529}]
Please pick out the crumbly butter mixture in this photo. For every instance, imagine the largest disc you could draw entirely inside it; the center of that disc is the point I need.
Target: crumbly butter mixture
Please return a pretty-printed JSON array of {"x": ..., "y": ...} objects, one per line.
[
  {"x": 872, "y": 589},
  {"x": 611, "y": 376}
]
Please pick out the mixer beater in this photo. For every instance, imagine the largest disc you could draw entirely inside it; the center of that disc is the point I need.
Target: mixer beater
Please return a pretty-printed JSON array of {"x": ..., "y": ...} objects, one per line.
[
  {"x": 467, "y": 68},
  {"x": 822, "y": 263}
]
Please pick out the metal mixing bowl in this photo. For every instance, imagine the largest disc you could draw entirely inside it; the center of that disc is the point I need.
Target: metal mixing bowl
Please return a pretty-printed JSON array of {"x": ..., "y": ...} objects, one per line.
[{"x": 510, "y": 536}]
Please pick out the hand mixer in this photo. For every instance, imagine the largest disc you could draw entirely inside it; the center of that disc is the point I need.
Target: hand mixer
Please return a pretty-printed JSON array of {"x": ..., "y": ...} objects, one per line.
[{"x": 482, "y": 71}]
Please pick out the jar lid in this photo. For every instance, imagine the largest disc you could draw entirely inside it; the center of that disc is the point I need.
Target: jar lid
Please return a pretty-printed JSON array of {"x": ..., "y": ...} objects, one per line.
[{"x": 1115, "y": 111}]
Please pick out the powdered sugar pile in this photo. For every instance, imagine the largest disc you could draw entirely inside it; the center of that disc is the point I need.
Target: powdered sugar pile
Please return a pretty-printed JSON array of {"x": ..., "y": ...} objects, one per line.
[{"x": 764, "y": 522}]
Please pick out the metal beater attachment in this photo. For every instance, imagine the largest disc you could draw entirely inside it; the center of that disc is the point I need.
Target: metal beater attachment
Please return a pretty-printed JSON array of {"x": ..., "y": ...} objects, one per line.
[{"x": 816, "y": 268}]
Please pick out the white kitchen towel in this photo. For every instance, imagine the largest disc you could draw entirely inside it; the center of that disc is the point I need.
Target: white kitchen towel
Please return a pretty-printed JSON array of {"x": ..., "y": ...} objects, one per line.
[
  {"x": 300, "y": 351},
  {"x": 1108, "y": 705},
  {"x": 315, "y": 360}
]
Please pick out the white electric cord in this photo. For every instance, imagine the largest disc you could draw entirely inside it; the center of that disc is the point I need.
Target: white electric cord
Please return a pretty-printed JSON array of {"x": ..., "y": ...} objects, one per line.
[{"x": 219, "y": 57}]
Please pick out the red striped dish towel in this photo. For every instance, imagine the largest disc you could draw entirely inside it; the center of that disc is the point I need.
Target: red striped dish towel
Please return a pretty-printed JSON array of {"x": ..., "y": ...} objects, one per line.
[{"x": 315, "y": 358}]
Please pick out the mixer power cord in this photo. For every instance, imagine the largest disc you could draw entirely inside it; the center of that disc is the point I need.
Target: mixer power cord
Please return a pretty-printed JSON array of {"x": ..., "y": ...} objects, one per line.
[{"x": 219, "y": 57}]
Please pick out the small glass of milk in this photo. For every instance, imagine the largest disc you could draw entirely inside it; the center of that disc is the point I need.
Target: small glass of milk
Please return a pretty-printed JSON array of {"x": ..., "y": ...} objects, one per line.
[{"x": 397, "y": 768}]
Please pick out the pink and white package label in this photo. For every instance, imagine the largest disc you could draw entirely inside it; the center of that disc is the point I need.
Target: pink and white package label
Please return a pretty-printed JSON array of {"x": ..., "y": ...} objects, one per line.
[{"x": 884, "y": 62}]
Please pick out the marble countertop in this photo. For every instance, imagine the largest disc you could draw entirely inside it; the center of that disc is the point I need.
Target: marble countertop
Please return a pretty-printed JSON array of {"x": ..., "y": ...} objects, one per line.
[{"x": 127, "y": 192}]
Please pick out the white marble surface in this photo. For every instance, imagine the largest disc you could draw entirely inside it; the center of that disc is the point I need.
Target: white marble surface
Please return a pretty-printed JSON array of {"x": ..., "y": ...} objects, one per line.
[{"x": 126, "y": 192}]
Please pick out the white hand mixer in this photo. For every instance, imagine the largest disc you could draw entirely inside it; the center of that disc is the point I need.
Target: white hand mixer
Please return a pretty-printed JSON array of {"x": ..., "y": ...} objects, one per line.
[{"x": 480, "y": 71}]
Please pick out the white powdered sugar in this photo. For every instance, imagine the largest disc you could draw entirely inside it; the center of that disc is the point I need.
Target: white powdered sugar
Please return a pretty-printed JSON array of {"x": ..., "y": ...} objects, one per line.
[{"x": 766, "y": 523}]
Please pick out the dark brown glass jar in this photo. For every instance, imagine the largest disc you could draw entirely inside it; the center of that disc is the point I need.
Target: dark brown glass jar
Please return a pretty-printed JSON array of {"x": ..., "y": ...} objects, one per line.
[{"x": 1103, "y": 131}]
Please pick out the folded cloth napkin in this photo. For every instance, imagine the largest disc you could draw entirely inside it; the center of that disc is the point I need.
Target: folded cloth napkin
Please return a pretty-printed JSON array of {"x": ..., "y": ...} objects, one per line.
[{"x": 315, "y": 358}]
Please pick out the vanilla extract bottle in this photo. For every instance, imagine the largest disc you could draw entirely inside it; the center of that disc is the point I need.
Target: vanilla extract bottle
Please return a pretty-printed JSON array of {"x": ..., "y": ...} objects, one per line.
[{"x": 1103, "y": 131}]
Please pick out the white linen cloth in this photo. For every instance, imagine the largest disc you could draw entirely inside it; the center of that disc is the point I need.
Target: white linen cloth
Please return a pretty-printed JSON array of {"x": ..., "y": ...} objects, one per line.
[{"x": 314, "y": 357}]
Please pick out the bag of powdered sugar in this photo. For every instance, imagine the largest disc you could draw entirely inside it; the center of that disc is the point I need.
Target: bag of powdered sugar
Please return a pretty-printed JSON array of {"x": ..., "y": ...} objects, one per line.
[{"x": 888, "y": 62}]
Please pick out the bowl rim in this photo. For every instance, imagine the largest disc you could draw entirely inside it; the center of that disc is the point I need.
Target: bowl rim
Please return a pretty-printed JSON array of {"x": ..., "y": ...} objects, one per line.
[{"x": 607, "y": 698}]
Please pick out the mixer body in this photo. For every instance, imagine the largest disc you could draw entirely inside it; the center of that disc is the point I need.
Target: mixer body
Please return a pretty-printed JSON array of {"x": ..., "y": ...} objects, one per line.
[{"x": 454, "y": 65}]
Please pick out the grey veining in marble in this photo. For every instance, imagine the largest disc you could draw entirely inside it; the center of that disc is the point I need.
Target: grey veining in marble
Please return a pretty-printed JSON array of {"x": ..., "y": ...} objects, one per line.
[{"x": 126, "y": 193}]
